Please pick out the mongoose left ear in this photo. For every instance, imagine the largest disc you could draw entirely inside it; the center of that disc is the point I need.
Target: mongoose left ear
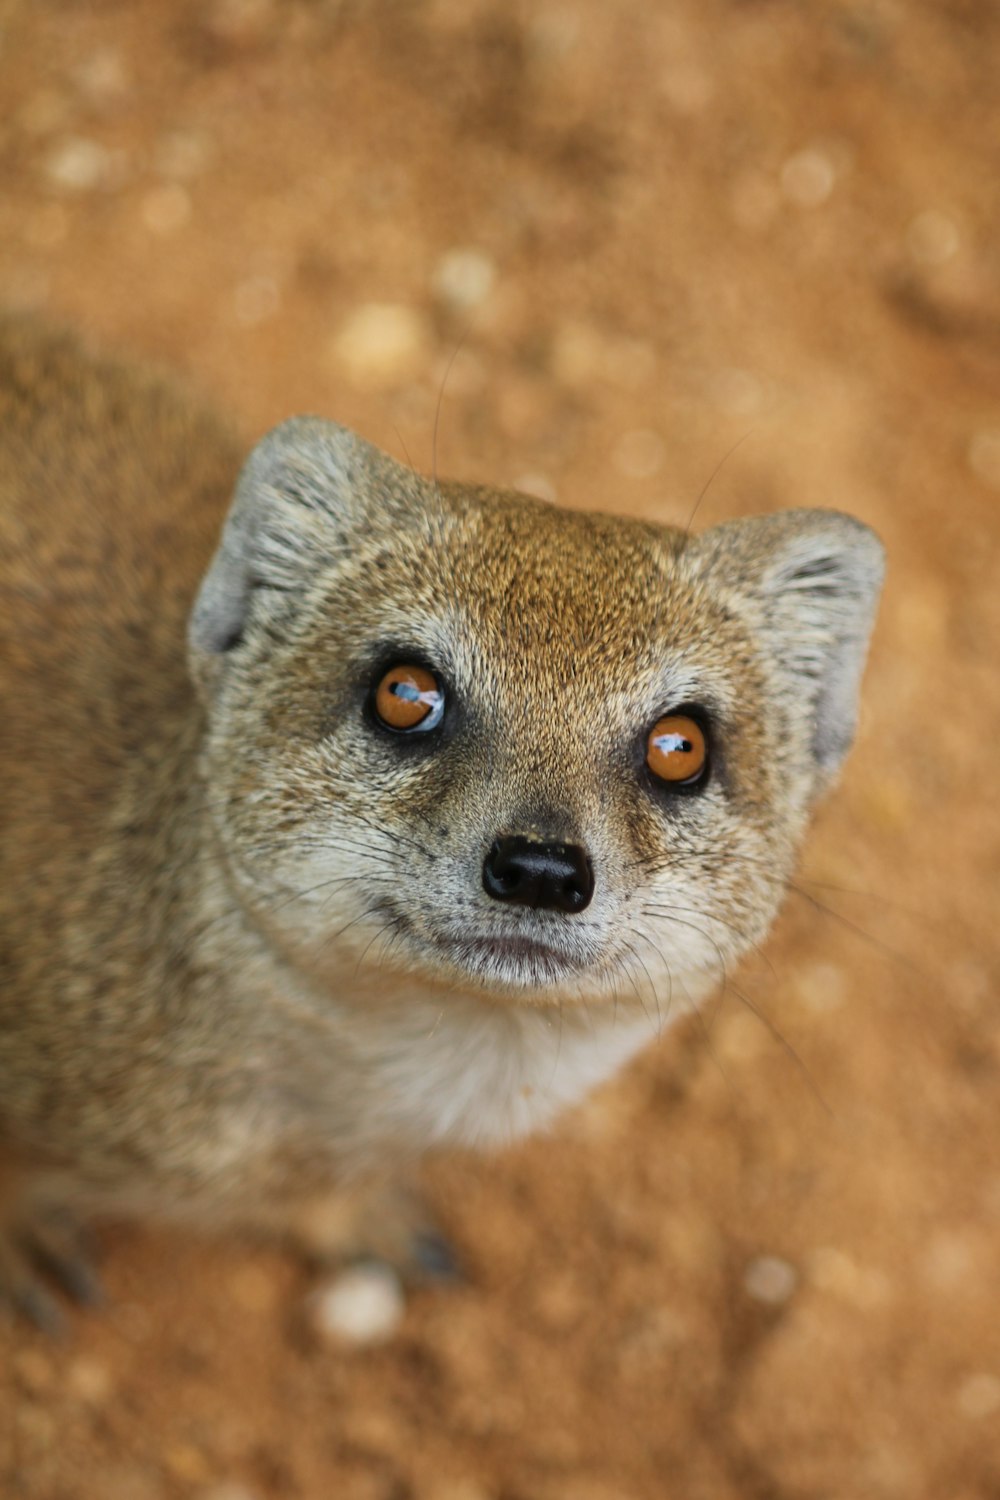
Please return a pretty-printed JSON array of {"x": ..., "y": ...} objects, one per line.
[
  {"x": 304, "y": 488},
  {"x": 812, "y": 578}
]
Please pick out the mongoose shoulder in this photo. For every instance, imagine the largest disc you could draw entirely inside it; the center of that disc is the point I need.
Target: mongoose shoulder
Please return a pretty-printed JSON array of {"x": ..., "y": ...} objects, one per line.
[{"x": 384, "y": 821}]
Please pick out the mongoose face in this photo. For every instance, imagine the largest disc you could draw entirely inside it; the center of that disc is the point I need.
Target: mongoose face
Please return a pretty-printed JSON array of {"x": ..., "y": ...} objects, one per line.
[{"x": 499, "y": 745}]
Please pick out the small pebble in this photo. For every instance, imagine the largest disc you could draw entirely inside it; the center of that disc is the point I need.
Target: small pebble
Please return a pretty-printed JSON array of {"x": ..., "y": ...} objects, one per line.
[
  {"x": 639, "y": 454},
  {"x": 90, "y": 1381},
  {"x": 381, "y": 343},
  {"x": 364, "y": 1305},
  {"x": 932, "y": 238},
  {"x": 79, "y": 165},
  {"x": 807, "y": 178},
  {"x": 979, "y": 1396},
  {"x": 770, "y": 1279},
  {"x": 464, "y": 278}
]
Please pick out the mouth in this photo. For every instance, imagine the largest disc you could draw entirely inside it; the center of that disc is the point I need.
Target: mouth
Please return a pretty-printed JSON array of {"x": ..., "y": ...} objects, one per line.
[
  {"x": 510, "y": 959},
  {"x": 515, "y": 960}
]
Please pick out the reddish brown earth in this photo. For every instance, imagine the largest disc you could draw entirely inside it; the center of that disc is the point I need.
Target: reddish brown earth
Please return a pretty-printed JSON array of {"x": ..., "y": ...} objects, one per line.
[{"x": 691, "y": 222}]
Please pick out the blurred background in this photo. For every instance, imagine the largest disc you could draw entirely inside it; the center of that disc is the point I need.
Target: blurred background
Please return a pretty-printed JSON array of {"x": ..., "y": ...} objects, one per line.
[{"x": 634, "y": 235}]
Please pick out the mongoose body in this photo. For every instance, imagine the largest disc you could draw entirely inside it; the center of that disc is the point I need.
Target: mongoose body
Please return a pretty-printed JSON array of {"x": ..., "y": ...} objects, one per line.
[{"x": 358, "y": 831}]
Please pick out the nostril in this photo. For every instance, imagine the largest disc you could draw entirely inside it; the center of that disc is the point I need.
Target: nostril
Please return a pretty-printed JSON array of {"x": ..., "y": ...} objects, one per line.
[{"x": 558, "y": 877}]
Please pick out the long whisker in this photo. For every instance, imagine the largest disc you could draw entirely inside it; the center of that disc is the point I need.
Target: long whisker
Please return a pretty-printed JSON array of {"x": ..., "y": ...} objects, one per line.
[
  {"x": 706, "y": 1034},
  {"x": 714, "y": 474},
  {"x": 652, "y": 987},
  {"x": 756, "y": 1009}
]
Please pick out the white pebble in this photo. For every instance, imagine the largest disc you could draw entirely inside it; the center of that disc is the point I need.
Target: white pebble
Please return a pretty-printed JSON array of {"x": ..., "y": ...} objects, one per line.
[
  {"x": 932, "y": 238},
  {"x": 979, "y": 1396},
  {"x": 769, "y": 1279},
  {"x": 639, "y": 454},
  {"x": 464, "y": 278},
  {"x": 807, "y": 178},
  {"x": 79, "y": 165},
  {"x": 984, "y": 455},
  {"x": 364, "y": 1305},
  {"x": 381, "y": 342}
]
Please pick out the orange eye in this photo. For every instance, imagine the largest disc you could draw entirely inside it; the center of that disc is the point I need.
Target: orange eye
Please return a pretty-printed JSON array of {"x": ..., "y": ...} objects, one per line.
[
  {"x": 676, "y": 749},
  {"x": 409, "y": 698}
]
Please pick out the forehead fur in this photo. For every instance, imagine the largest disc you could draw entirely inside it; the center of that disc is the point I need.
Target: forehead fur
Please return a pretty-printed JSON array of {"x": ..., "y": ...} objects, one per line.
[{"x": 572, "y": 588}]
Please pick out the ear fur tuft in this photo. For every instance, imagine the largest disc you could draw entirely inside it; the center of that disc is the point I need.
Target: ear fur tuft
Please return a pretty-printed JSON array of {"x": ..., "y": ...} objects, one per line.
[
  {"x": 297, "y": 497},
  {"x": 815, "y": 577}
]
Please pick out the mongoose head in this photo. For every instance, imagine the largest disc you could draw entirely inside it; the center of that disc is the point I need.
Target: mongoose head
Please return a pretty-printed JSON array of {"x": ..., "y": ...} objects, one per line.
[{"x": 502, "y": 745}]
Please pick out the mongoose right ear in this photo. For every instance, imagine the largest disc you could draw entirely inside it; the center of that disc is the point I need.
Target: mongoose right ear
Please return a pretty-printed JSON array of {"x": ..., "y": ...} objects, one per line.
[
  {"x": 813, "y": 579},
  {"x": 301, "y": 491}
]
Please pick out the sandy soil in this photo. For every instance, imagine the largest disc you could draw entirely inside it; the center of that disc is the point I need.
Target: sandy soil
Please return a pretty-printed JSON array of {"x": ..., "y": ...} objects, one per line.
[{"x": 658, "y": 229}]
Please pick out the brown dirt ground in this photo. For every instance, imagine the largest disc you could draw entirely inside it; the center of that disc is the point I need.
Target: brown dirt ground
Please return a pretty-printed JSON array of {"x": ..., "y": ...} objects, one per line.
[{"x": 703, "y": 219}]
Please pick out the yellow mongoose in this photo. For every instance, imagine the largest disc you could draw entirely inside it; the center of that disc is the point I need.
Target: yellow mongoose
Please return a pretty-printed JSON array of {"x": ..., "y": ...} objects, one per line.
[{"x": 383, "y": 823}]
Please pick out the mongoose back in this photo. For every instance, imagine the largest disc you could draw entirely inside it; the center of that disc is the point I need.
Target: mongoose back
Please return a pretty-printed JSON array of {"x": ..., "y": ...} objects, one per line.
[{"x": 386, "y": 820}]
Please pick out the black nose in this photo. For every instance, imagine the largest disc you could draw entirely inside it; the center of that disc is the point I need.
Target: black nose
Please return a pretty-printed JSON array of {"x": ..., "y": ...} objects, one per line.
[{"x": 557, "y": 876}]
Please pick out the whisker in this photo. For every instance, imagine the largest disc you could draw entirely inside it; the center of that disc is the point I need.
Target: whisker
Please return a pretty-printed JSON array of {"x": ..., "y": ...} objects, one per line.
[
  {"x": 755, "y": 1009},
  {"x": 712, "y": 1052},
  {"x": 880, "y": 944},
  {"x": 714, "y": 474}
]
